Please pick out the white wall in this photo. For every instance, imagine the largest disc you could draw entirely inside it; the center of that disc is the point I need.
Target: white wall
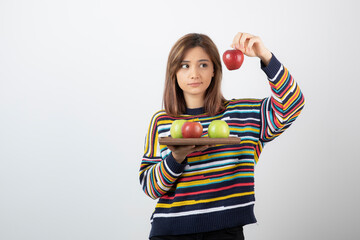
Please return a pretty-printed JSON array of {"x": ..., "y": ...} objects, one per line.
[{"x": 79, "y": 81}]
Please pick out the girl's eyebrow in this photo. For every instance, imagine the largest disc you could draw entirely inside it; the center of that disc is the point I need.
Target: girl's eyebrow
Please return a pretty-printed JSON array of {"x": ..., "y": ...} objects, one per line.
[{"x": 201, "y": 60}]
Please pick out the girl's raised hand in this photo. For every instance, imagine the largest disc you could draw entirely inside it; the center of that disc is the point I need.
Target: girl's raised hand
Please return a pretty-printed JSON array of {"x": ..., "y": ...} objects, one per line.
[{"x": 251, "y": 46}]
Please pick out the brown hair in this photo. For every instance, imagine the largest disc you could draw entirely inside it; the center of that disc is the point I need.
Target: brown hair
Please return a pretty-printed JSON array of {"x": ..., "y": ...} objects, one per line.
[{"x": 173, "y": 98}]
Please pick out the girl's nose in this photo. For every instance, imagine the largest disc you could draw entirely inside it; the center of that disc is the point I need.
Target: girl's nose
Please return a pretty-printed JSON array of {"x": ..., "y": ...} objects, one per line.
[{"x": 194, "y": 73}]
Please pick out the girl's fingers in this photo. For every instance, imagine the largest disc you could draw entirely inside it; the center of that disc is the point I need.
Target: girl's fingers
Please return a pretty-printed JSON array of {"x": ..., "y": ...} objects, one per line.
[
  {"x": 170, "y": 147},
  {"x": 181, "y": 148},
  {"x": 188, "y": 149},
  {"x": 242, "y": 40},
  {"x": 251, "y": 43},
  {"x": 202, "y": 148},
  {"x": 245, "y": 37},
  {"x": 235, "y": 43},
  {"x": 245, "y": 42}
]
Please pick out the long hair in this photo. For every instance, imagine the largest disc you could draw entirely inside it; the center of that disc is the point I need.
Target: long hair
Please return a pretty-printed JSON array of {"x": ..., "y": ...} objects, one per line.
[{"x": 173, "y": 98}]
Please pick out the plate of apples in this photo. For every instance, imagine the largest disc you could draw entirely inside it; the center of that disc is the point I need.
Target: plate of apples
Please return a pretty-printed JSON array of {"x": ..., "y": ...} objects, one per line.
[{"x": 183, "y": 132}]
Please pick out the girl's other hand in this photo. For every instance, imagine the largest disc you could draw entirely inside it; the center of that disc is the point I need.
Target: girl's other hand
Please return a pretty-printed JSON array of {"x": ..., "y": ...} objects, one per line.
[
  {"x": 180, "y": 152},
  {"x": 251, "y": 46}
]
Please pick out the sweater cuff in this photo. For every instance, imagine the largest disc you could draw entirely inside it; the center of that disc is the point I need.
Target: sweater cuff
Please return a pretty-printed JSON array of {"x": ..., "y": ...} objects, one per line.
[
  {"x": 174, "y": 165},
  {"x": 272, "y": 68}
]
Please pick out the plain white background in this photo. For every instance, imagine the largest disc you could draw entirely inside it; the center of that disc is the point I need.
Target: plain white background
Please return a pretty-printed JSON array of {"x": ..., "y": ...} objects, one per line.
[{"x": 80, "y": 80}]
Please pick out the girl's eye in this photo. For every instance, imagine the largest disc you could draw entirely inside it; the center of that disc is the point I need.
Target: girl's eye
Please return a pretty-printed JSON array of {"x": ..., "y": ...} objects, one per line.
[
  {"x": 184, "y": 66},
  {"x": 203, "y": 65}
]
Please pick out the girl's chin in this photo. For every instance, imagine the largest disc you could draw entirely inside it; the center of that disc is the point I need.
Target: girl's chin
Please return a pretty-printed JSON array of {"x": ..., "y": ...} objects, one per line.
[{"x": 195, "y": 93}]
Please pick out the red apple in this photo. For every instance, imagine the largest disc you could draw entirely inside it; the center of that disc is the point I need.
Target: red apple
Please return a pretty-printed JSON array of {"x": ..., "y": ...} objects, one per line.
[
  {"x": 192, "y": 130},
  {"x": 233, "y": 59}
]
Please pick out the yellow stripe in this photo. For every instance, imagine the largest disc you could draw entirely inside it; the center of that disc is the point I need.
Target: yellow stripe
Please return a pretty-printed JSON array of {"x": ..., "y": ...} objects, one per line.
[
  {"x": 248, "y": 141},
  {"x": 156, "y": 143},
  {"x": 194, "y": 159},
  {"x": 142, "y": 171},
  {"x": 193, "y": 202},
  {"x": 244, "y": 105},
  {"x": 245, "y": 129},
  {"x": 161, "y": 122}
]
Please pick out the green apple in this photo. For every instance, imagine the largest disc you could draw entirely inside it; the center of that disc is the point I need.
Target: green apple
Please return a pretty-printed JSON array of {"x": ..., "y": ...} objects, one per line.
[
  {"x": 175, "y": 130},
  {"x": 218, "y": 129}
]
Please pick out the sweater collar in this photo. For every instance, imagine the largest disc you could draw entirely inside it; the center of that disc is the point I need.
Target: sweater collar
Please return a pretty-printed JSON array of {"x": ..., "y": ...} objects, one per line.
[{"x": 195, "y": 111}]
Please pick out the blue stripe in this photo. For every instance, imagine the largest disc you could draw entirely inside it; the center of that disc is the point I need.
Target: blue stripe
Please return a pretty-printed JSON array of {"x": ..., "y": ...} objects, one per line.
[{"x": 241, "y": 111}]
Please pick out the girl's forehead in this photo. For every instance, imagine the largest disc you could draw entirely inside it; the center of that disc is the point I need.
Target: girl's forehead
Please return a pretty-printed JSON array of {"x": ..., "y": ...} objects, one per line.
[{"x": 195, "y": 53}]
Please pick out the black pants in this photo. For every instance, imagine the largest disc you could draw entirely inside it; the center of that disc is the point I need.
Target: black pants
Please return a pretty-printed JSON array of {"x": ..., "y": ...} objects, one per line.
[{"x": 235, "y": 233}]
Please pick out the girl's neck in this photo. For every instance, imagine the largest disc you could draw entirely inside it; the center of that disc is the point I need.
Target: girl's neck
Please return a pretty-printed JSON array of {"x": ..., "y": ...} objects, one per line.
[{"x": 194, "y": 101}]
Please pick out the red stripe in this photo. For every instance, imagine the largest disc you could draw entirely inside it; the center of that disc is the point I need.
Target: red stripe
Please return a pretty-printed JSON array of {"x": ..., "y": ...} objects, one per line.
[{"x": 208, "y": 191}]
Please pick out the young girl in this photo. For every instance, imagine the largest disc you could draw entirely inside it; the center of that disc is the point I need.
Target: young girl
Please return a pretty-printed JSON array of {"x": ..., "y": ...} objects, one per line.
[{"x": 207, "y": 192}]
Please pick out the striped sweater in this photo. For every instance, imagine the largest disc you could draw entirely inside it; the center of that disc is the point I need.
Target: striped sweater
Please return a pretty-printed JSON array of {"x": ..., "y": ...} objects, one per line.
[{"x": 214, "y": 189}]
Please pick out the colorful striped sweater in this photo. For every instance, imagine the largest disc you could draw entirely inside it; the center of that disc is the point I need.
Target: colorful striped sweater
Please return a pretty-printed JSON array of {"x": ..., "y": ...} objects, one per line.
[{"x": 214, "y": 189}]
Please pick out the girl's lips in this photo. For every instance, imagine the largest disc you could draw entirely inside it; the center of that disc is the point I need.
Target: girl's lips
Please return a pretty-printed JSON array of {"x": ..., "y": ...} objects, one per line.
[{"x": 195, "y": 84}]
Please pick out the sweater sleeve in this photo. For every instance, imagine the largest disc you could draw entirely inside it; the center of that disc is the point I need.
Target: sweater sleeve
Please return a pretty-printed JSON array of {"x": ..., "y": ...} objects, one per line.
[
  {"x": 280, "y": 110},
  {"x": 157, "y": 173}
]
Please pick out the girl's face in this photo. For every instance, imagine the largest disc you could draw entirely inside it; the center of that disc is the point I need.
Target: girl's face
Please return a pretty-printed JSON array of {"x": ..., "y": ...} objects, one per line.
[{"x": 195, "y": 73}]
